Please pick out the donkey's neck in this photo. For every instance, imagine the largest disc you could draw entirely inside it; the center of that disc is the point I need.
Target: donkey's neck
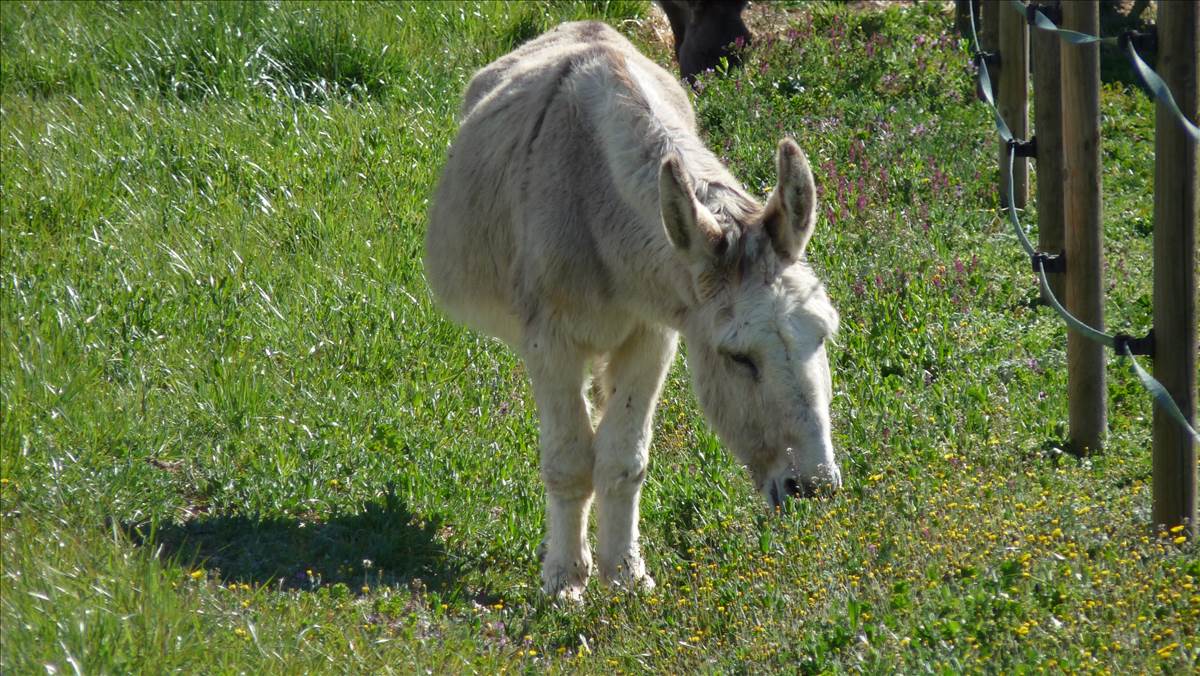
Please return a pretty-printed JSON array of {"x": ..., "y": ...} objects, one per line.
[{"x": 637, "y": 126}]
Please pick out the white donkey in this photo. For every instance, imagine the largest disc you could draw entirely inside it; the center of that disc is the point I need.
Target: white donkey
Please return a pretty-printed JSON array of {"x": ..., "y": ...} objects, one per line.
[{"x": 581, "y": 219}]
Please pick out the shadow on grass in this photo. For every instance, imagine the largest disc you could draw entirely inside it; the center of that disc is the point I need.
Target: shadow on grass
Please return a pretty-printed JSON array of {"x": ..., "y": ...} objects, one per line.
[{"x": 382, "y": 545}]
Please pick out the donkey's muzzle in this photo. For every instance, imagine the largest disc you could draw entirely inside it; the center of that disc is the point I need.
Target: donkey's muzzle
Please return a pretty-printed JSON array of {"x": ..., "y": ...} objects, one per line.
[
  {"x": 779, "y": 490},
  {"x": 805, "y": 488}
]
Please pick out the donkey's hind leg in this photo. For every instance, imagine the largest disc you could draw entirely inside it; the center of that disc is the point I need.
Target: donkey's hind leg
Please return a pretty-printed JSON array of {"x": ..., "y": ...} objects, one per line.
[
  {"x": 558, "y": 374},
  {"x": 634, "y": 378}
]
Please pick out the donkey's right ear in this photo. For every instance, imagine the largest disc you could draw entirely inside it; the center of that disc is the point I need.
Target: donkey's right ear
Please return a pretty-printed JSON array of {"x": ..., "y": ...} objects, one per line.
[
  {"x": 689, "y": 226},
  {"x": 792, "y": 209}
]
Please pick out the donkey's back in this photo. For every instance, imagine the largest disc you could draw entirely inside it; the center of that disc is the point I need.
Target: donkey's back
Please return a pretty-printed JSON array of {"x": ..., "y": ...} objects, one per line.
[{"x": 513, "y": 225}]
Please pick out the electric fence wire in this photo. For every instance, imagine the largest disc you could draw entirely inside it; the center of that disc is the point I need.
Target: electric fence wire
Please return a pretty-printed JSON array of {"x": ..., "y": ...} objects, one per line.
[
  {"x": 1151, "y": 79},
  {"x": 1118, "y": 343}
]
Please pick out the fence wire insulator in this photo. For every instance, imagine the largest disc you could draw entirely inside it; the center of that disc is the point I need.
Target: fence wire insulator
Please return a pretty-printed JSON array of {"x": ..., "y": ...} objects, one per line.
[
  {"x": 1140, "y": 346},
  {"x": 1024, "y": 148},
  {"x": 990, "y": 59},
  {"x": 1056, "y": 263},
  {"x": 1145, "y": 41}
]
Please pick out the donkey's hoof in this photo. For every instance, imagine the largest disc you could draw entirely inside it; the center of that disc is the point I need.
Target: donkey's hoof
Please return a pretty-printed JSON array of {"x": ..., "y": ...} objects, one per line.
[
  {"x": 633, "y": 583},
  {"x": 630, "y": 574},
  {"x": 571, "y": 595},
  {"x": 565, "y": 581},
  {"x": 643, "y": 583}
]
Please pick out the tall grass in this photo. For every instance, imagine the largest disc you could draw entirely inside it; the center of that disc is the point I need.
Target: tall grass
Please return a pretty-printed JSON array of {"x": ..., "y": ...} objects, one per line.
[{"x": 236, "y": 434}]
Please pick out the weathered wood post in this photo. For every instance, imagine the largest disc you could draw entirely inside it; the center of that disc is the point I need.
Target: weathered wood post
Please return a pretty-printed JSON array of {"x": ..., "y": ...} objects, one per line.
[
  {"x": 1086, "y": 387},
  {"x": 989, "y": 29},
  {"x": 1047, "y": 126},
  {"x": 989, "y": 43},
  {"x": 1175, "y": 214},
  {"x": 1012, "y": 99},
  {"x": 964, "y": 12}
]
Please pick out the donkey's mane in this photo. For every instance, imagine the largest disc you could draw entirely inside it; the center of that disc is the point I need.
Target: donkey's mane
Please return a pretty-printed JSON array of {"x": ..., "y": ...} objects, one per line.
[{"x": 637, "y": 128}]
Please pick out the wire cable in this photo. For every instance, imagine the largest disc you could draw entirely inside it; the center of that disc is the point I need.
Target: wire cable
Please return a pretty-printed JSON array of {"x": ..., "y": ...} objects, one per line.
[{"x": 1156, "y": 389}]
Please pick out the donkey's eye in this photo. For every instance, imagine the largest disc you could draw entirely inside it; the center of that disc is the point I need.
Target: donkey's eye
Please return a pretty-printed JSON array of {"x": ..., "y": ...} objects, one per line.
[{"x": 745, "y": 362}]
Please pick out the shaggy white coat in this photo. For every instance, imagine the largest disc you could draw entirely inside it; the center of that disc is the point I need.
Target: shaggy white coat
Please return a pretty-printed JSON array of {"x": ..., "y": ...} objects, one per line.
[{"x": 581, "y": 219}]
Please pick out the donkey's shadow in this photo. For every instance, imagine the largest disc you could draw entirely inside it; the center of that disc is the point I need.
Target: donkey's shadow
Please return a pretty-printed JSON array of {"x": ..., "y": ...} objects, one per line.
[{"x": 383, "y": 544}]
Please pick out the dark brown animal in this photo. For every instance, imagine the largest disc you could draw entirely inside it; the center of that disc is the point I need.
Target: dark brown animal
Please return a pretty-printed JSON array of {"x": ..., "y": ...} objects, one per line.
[{"x": 706, "y": 31}]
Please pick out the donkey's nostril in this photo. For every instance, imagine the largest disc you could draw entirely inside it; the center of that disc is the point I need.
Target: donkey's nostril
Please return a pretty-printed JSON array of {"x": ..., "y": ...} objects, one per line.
[
  {"x": 793, "y": 488},
  {"x": 811, "y": 487},
  {"x": 778, "y": 490}
]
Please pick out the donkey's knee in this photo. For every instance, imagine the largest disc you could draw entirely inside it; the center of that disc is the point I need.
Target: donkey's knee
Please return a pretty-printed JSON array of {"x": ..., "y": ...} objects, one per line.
[
  {"x": 617, "y": 475},
  {"x": 567, "y": 466}
]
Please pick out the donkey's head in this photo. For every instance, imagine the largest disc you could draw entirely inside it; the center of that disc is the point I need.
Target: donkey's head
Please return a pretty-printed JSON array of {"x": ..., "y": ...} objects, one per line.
[{"x": 756, "y": 335}]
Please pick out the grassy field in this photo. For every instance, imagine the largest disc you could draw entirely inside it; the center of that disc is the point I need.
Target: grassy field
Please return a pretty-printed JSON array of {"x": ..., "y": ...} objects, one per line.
[{"x": 237, "y": 436}]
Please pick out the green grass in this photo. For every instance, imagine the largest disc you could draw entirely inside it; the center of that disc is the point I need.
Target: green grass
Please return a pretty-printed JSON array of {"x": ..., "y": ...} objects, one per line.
[{"x": 237, "y": 435}]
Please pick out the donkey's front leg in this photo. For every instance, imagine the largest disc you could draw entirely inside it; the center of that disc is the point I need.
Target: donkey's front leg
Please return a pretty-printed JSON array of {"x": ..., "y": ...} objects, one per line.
[
  {"x": 633, "y": 379},
  {"x": 558, "y": 375}
]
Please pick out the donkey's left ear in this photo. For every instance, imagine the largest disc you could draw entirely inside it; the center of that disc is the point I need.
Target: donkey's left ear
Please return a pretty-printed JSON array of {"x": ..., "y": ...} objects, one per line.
[
  {"x": 792, "y": 209},
  {"x": 689, "y": 225}
]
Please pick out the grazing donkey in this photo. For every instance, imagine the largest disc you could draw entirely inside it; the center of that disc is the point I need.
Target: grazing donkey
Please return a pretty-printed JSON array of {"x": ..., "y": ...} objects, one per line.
[
  {"x": 581, "y": 219},
  {"x": 705, "y": 32}
]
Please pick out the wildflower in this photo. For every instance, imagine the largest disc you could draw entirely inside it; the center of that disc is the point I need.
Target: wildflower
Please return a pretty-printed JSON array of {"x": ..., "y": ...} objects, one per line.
[{"x": 197, "y": 574}]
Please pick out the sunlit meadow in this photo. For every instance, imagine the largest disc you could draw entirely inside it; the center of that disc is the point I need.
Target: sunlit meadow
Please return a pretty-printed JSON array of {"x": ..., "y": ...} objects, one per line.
[{"x": 237, "y": 436}]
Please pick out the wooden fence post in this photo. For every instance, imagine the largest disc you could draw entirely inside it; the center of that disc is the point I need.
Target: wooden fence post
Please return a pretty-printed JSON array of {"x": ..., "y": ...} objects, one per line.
[
  {"x": 989, "y": 43},
  {"x": 1012, "y": 99},
  {"x": 1087, "y": 405},
  {"x": 1175, "y": 214},
  {"x": 964, "y": 12},
  {"x": 1047, "y": 108},
  {"x": 989, "y": 29}
]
